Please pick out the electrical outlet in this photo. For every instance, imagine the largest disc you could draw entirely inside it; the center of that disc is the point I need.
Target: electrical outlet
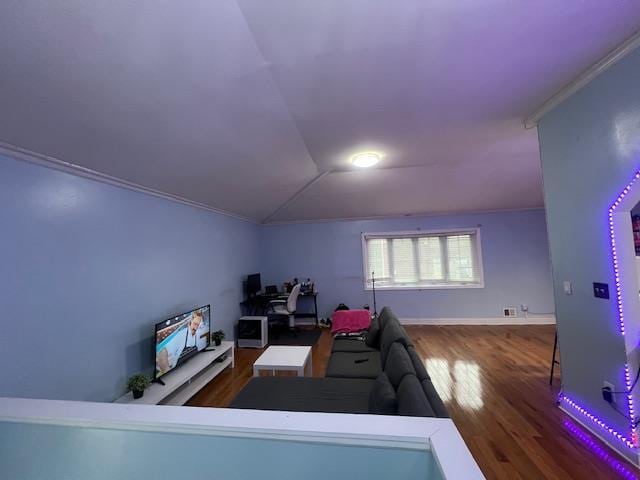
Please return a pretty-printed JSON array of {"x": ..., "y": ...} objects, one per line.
[
  {"x": 611, "y": 388},
  {"x": 509, "y": 312}
]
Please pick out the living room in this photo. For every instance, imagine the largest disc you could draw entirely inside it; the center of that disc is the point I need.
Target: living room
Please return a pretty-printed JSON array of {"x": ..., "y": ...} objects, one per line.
[{"x": 456, "y": 179}]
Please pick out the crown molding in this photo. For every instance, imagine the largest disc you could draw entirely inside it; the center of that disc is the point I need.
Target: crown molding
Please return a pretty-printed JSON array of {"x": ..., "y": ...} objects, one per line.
[
  {"x": 404, "y": 215},
  {"x": 21, "y": 154},
  {"x": 54, "y": 163},
  {"x": 587, "y": 76}
]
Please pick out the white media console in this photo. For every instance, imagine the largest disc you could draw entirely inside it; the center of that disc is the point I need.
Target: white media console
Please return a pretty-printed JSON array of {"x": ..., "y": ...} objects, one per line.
[{"x": 185, "y": 381}]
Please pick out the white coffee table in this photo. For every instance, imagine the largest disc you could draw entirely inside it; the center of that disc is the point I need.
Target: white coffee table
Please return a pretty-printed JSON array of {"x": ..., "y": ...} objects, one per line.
[{"x": 284, "y": 358}]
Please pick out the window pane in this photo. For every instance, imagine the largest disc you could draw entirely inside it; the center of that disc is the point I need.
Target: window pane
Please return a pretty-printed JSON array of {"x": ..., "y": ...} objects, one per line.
[
  {"x": 430, "y": 258},
  {"x": 404, "y": 265},
  {"x": 423, "y": 260},
  {"x": 378, "y": 254},
  {"x": 460, "y": 258}
]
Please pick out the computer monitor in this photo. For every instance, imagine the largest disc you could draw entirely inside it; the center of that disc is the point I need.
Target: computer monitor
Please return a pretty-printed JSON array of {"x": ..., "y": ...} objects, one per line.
[{"x": 253, "y": 284}]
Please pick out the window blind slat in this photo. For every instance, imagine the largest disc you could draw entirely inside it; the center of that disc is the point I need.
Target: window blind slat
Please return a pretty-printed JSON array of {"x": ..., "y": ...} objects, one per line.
[
  {"x": 404, "y": 264},
  {"x": 460, "y": 258},
  {"x": 430, "y": 254},
  {"x": 378, "y": 259}
]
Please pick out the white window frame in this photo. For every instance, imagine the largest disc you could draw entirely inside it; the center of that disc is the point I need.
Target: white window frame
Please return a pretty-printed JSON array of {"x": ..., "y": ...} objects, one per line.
[{"x": 418, "y": 233}]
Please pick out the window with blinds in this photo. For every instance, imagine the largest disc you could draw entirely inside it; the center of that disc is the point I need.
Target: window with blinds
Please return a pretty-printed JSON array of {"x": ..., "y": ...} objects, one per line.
[{"x": 449, "y": 259}]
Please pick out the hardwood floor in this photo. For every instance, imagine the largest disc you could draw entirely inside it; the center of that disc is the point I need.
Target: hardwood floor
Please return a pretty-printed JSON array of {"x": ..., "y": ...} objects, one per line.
[{"x": 494, "y": 381}]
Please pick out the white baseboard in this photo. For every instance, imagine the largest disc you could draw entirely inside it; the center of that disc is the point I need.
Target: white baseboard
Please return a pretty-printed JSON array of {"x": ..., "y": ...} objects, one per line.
[{"x": 529, "y": 320}]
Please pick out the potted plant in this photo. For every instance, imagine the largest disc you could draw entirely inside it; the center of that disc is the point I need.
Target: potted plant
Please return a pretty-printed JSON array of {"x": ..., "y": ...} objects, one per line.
[
  {"x": 217, "y": 337},
  {"x": 137, "y": 384}
]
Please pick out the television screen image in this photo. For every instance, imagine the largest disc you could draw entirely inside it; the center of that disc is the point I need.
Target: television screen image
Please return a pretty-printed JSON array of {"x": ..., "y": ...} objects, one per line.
[{"x": 180, "y": 338}]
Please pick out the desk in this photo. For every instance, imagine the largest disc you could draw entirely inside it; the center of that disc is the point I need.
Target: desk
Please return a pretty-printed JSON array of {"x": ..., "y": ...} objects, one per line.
[{"x": 257, "y": 305}]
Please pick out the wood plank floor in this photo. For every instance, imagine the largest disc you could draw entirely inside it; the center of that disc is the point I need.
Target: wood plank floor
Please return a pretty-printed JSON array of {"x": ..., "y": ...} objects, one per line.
[{"x": 494, "y": 381}]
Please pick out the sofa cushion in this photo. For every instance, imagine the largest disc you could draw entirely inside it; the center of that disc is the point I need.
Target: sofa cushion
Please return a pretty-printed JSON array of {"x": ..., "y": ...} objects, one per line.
[
  {"x": 384, "y": 315},
  {"x": 382, "y": 399},
  {"x": 351, "y": 345},
  {"x": 398, "y": 364},
  {"x": 354, "y": 365},
  {"x": 434, "y": 399},
  {"x": 373, "y": 335},
  {"x": 304, "y": 394},
  {"x": 412, "y": 401},
  {"x": 393, "y": 332},
  {"x": 418, "y": 364}
]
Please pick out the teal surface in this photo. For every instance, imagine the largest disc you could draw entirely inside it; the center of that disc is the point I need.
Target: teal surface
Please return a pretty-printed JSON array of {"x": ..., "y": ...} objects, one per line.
[{"x": 39, "y": 452}]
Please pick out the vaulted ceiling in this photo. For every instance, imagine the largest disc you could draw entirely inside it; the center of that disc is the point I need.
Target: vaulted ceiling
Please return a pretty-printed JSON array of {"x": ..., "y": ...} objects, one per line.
[{"x": 256, "y": 106}]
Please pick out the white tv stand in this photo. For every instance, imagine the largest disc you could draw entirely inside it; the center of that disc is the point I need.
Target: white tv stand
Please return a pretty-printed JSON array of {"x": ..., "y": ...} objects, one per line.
[{"x": 184, "y": 382}]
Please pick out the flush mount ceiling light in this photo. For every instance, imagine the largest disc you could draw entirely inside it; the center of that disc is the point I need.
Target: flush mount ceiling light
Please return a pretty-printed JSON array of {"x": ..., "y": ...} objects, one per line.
[{"x": 365, "y": 159}]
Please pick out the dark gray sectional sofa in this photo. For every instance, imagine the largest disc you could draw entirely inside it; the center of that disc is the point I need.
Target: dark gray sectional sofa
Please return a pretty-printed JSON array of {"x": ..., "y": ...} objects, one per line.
[{"x": 382, "y": 374}]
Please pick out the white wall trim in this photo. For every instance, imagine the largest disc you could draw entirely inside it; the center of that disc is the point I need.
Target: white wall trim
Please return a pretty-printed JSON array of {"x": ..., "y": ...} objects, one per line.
[
  {"x": 529, "y": 320},
  {"x": 18, "y": 153},
  {"x": 439, "y": 435},
  {"x": 226, "y": 422},
  {"x": 583, "y": 79}
]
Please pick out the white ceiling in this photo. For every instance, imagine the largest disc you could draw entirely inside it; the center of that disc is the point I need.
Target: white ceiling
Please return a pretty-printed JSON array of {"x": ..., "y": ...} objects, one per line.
[{"x": 240, "y": 104}]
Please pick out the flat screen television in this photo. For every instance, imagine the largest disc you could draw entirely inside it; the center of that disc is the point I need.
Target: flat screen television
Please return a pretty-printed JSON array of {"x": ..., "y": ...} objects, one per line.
[{"x": 179, "y": 338}]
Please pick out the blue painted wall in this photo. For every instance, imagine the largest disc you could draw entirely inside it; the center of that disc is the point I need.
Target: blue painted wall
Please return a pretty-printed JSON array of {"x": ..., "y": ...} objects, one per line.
[
  {"x": 515, "y": 256},
  {"x": 88, "y": 268},
  {"x": 590, "y": 148}
]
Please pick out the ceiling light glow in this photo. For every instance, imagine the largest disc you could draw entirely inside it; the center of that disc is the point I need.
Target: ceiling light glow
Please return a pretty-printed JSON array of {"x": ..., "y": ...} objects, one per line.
[{"x": 365, "y": 159}]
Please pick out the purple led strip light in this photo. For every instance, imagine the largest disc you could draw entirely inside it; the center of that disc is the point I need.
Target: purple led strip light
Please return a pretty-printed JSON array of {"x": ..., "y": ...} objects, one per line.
[
  {"x": 632, "y": 413},
  {"x": 616, "y": 271},
  {"x": 610, "y": 459},
  {"x": 612, "y": 232},
  {"x": 597, "y": 421}
]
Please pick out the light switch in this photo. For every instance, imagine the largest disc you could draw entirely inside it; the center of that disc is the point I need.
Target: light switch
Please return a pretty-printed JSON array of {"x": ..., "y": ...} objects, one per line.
[
  {"x": 568, "y": 289},
  {"x": 601, "y": 290}
]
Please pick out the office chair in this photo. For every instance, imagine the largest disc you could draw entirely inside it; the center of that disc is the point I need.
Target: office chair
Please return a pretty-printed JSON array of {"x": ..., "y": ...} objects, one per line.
[{"x": 286, "y": 306}]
